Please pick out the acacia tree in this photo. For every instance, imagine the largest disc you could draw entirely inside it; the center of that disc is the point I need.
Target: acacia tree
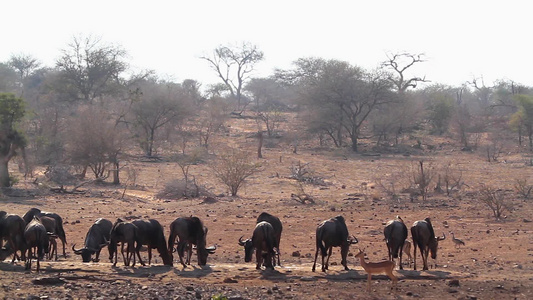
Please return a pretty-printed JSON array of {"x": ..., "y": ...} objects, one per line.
[
  {"x": 90, "y": 69},
  {"x": 345, "y": 93},
  {"x": 24, "y": 65},
  {"x": 11, "y": 112},
  {"x": 233, "y": 65},
  {"x": 160, "y": 104}
]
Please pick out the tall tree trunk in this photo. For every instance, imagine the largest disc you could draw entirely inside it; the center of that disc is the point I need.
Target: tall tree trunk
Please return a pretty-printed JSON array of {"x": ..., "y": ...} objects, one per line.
[
  {"x": 4, "y": 173},
  {"x": 116, "y": 178},
  {"x": 260, "y": 144}
]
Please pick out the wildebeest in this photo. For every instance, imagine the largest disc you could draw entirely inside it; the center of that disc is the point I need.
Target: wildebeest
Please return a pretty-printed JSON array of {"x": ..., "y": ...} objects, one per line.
[
  {"x": 190, "y": 231},
  {"x": 332, "y": 233},
  {"x": 125, "y": 233},
  {"x": 150, "y": 233},
  {"x": 263, "y": 240},
  {"x": 50, "y": 226},
  {"x": 424, "y": 237},
  {"x": 395, "y": 233},
  {"x": 12, "y": 229},
  {"x": 97, "y": 237},
  {"x": 28, "y": 216},
  {"x": 36, "y": 236},
  {"x": 276, "y": 224}
]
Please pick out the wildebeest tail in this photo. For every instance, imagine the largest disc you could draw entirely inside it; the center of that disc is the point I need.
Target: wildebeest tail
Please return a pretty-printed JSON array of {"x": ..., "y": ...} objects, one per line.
[
  {"x": 319, "y": 243},
  {"x": 60, "y": 231}
]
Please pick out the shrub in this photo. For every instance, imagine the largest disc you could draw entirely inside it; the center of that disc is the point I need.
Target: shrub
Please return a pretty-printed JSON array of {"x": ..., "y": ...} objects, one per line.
[
  {"x": 178, "y": 189},
  {"x": 234, "y": 168},
  {"x": 495, "y": 200}
]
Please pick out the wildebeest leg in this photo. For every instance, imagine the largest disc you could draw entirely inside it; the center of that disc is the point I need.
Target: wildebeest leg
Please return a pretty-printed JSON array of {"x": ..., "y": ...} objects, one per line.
[
  {"x": 259, "y": 258},
  {"x": 137, "y": 250},
  {"x": 316, "y": 255},
  {"x": 97, "y": 255},
  {"x": 401, "y": 253},
  {"x": 329, "y": 255},
  {"x": 425, "y": 258},
  {"x": 149, "y": 255},
  {"x": 28, "y": 259},
  {"x": 414, "y": 255},
  {"x": 189, "y": 253},
  {"x": 181, "y": 250}
]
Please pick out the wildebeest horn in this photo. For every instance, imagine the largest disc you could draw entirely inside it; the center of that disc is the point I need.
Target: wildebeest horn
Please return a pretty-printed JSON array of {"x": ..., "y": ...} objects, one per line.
[
  {"x": 241, "y": 242},
  {"x": 211, "y": 249},
  {"x": 441, "y": 238},
  {"x": 353, "y": 240},
  {"x": 77, "y": 251}
]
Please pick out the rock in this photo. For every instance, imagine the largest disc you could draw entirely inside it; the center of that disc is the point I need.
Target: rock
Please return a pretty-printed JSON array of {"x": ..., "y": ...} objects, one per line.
[
  {"x": 308, "y": 278},
  {"x": 48, "y": 281},
  {"x": 409, "y": 294},
  {"x": 198, "y": 295},
  {"x": 229, "y": 280},
  {"x": 453, "y": 282},
  {"x": 189, "y": 288},
  {"x": 296, "y": 254}
]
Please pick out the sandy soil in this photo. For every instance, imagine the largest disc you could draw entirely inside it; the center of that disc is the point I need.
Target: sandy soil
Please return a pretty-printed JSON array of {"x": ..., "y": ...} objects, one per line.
[{"x": 497, "y": 261}]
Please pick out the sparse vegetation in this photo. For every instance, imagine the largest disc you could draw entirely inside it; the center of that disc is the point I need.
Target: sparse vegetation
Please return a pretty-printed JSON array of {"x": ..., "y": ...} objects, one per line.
[
  {"x": 523, "y": 188},
  {"x": 495, "y": 199},
  {"x": 233, "y": 168}
]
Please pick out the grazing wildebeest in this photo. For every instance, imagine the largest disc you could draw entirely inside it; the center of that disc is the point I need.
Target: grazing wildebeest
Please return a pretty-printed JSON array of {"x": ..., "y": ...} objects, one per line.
[
  {"x": 276, "y": 224},
  {"x": 28, "y": 216},
  {"x": 12, "y": 229},
  {"x": 263, "y": 240},
  {"x": 125, "y": 233},
  {"x": 150, "y": 233},
  {"x": 424, "y": 237},
  {"x": 332, "y": 233},
  {"x": 36, "y": 236},
  {"x": 190, "y": 231},
  {"x": 97, "y": 237},
  {"x": 395, "y": 233}
]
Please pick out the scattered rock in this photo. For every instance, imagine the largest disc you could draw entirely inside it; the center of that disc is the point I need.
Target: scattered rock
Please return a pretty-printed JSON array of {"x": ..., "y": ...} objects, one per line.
[
  {"x": 307, "y": 278},
  {"x": 453, "y": 282},
  {"x": 296, "y": 254},
  {"x": 48, "y": 281},
  {"x": 229, "y": 280}
]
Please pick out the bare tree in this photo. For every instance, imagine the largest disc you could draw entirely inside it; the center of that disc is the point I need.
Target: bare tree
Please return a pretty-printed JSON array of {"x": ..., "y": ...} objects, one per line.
[
  {"x": 233, "y": 65},
  {"x": 399, "y": 64}
]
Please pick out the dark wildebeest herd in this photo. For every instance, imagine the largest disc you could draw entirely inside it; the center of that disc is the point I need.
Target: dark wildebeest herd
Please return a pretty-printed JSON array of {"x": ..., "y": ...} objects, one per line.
[{"x": 34, "y": 235}]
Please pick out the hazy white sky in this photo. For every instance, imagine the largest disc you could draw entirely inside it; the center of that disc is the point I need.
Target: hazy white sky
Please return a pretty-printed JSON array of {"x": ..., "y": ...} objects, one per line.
[{"x": 461, "y": 39}]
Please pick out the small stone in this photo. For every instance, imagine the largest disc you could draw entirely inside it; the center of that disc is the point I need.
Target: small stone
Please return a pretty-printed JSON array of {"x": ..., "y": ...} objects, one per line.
[
  {"x": 189, "y": 288},
  {"x": 453, "y": 282},
  {"x": 296, "y": 254},
  {"x": 307, "y": 278},
  {"x": 229, "y": 280}
]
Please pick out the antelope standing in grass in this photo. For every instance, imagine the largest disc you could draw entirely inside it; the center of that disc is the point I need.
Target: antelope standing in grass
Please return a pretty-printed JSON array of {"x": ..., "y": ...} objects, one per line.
[{"x": 386, "y": 267}]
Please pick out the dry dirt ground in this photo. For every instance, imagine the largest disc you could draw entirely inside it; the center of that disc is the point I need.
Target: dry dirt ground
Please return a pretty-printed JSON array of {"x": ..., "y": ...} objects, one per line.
[{"x": 497, "y": 261}]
